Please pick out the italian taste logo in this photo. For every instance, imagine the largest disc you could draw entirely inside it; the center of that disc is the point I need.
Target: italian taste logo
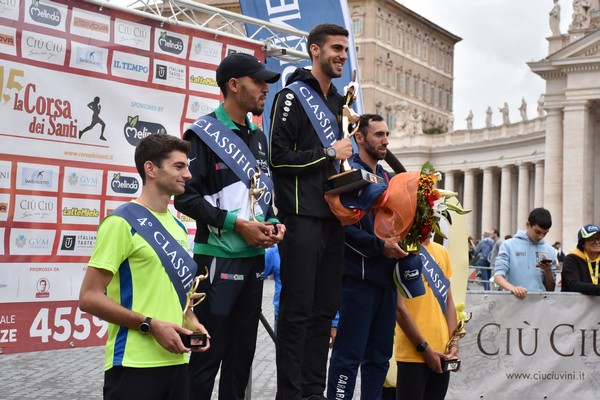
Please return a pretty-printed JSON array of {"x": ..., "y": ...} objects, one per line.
[
  {"x": 135, "y": 130},
  {"x": 44, "y": 13}
]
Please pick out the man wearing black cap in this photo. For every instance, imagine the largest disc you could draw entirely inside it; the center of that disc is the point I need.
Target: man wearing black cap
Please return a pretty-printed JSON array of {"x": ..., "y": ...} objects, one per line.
[{"x": 227, "y": 150}]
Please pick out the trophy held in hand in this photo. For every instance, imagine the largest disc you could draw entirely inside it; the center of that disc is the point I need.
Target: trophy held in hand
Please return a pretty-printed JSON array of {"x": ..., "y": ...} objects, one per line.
[
  {"x": 350, "y": 180},
  {"x": 453, "y": 364},
  {"x": 256, "y": 191},
  {"x": 196, "y": 340}
]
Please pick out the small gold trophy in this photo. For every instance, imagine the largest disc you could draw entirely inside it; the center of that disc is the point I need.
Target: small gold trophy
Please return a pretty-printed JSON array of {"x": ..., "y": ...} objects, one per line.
[
  {"x": 453, "y": 364},
  {"x": 197, "y": 339},
  {"x": 256, "y": 193},
  {"x": 350, "y": 180}
]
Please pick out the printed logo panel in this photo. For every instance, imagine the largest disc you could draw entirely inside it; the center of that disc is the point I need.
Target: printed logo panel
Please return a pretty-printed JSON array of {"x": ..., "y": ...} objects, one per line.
[
  {"x": 76, "y": 243},
  {"x": 203, "y": 80},
  {"x": 130, "y": 34},
  {"x": 111, "y": 205},
  {"x": 80, "y": 211},
  {"x": 206, "y": 51},
  {"x": 8, "y": 38},
  {"x": 170, "y": 43},
  {"x": 47, "y": 14},
  {"x": 169, "y": 74},
  {"x": 43, "y": 48},
  {"x": 4, "y": 206},
  {"x": 131, "y": 66},
  {"x": 123, "y": 184},
  {"x": 89, "y": 58},
  {"x": 198, "y": 106},
  {"x": 90, "y": 25},
  {"x": 2, "y": 231},
  {"x": 31, "y": 241},
  {"x": 37, "y": 177},
  {"x": 237, "y": 49},
  {"x": 5, "y": 174},
  {"x": 136, "y": 129},
  {"x": 10, "y": 9},
  {"x": 35, "y": 209},
  {"x": 82, "y": 180}
]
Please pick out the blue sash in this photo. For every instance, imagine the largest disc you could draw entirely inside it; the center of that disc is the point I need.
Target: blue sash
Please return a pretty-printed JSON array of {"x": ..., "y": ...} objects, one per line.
[
  {"x": 180, "y": 266},
  {"x": 321, "y": 118},
  {"x": 230, "y": 148},
  {"x": 435, "y": 277}
]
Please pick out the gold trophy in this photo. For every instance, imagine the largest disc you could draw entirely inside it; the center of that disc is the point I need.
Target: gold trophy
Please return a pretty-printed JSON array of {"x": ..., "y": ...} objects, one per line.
[
  {"x": 350, "y": 180},
  {"x": 256, "y": 193},
  {"x": 197, "y": 339},
  {"x": 453, "y": 364}
]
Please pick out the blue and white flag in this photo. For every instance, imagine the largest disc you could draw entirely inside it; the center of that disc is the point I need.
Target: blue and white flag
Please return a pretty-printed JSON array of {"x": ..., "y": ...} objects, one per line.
[{"x": 302, "y": 15}]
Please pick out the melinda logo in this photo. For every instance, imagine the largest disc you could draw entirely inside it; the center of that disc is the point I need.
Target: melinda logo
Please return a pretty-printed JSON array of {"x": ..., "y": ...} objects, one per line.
[
  {"x": 44, "y": 13},
  {"x": 135, "y": 130},
  {"x": 124, "y": 184},
  {"x": 170, "y": 44}
]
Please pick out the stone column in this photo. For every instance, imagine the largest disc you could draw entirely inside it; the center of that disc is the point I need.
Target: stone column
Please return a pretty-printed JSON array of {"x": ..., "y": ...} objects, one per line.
[
  {"x": 523, "y": 193},
  {"x": 470, "y": 202},
  {"x": 553, "y": 172},
  {"x": 506, "y": 201},
  {"x": 449, "y": 181},
  {"x": 487, "y": 219},
  {"x": 538, "y": 192},
  {"x": 577, "y": 172}
]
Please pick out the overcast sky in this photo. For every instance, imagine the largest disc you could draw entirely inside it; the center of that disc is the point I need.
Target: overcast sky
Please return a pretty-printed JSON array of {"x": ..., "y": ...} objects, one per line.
[{"x": 498, "y": 38}]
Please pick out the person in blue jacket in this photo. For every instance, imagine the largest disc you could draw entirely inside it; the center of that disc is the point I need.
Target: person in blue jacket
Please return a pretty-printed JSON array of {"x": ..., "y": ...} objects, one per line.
[{"x": 365, "y": 331}]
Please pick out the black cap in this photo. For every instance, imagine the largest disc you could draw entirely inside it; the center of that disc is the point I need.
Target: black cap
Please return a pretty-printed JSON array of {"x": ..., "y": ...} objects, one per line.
[{"x": 237, "y": 65}]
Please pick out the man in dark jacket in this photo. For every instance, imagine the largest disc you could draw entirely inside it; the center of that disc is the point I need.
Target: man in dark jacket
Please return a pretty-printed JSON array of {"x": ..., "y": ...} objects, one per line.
[
  {"x": 304, "y": 153},
  {"x": 227, "y": 149},
  {"x": 365, "y": 334}
]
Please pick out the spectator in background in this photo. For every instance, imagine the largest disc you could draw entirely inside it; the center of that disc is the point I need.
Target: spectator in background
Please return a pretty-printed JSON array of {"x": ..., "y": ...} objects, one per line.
[
  {"x": 580, "y": 268},
  {"x": 483, "y": 251},
  {"x": 526, "y": 263},
  {"x": 496, "y": 250},
  {"x": 471, "y": 250},
  {"x": 560, "y": 255}
]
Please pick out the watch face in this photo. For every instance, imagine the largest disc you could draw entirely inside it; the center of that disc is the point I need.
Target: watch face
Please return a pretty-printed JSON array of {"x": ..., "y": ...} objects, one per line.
[
  {"x": 331, "y": 152},
  {"x": 144, "y": 327}
]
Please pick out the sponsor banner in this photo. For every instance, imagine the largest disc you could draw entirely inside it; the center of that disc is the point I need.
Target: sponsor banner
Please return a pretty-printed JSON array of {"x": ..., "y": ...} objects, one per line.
[
  {"x": 35, "y": 209},
  {"x": 198, "y": 106},
  {"x": 80, "y": 211},
  {"x": 544, "y": 345},
  {"x": 130, "y": 34},
  {"x": 89, "y": 58},
  {"x": 37, "y": 177},
  {"x": 90, "y": 25},
  {"x": 10, "y": 9},
  {"x": 206, "y": 51},
  {"x": 124, "y": 184},
  {"x": 169, "y": 74},
  {"x": 131, "y": 66},
  {"x": 8, "y": 40},
  {"x": 237, "y": 49},
  {"x": 203, "y": 80},
  {"x": 49, "y": 325},
  {"x": 5, "y": 173},
  {"x": 82, "y": 180},
  {"x": 46, "y": 14},
  {"x": 31, "y": 241},
  {"x": 2, "y": 231},
  {"x": 76, "y": 243},
  {"x": 170, "y": 43},
  {"x": 25, "y": 282},
  {"x": 111, "y": 205},
  {"x": 4, "y": 206},
  {"x": 43, "y": 48}
]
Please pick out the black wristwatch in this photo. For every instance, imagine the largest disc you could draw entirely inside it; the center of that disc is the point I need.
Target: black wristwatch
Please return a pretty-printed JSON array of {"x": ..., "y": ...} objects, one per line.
[
  {"x": 422, "y": 346},
  {"x": 330, "y": 153},
  {"x": 145, "y": 326}
]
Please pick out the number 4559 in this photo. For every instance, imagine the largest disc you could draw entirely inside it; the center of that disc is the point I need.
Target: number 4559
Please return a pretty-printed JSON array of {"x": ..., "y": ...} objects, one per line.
[{"x": 63, "y": 328}]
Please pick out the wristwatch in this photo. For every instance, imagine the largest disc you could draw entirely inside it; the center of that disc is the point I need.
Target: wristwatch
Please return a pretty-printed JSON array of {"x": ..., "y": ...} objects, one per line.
[
  {"x": 145, "y": 326},
  {"x": 422, "y": 346},
  {"x": 330, "y": 153}
]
